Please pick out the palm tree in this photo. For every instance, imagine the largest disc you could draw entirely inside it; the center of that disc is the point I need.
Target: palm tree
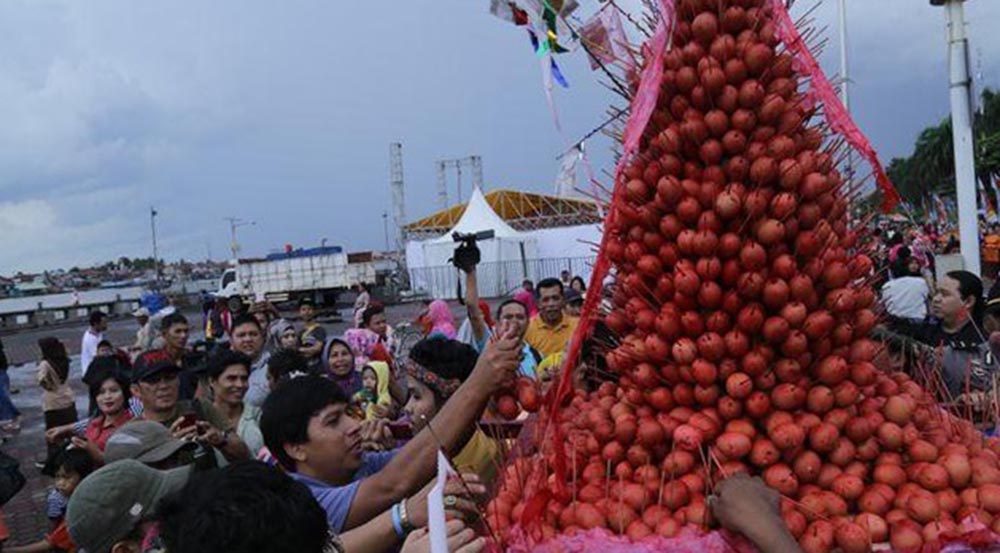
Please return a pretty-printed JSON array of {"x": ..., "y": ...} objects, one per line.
[
  {"x": 931, "y": 167},
  {"x": 986, "y": 129}
]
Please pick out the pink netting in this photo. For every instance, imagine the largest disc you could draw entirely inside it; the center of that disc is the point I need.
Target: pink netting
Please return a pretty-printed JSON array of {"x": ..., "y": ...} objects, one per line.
[
  {"x": 688, "y": 541},
  {"x": 836, "y": 115}
]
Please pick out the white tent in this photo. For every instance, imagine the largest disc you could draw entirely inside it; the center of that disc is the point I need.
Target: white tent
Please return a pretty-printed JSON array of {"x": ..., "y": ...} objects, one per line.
[{"x": 502, "y": 258}]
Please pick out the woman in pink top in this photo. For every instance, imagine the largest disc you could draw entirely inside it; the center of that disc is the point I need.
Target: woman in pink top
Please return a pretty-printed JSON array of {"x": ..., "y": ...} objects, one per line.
[
  {"x": 528, "y": 299},
  {"x": 110, "y": 392},
  {"x": 441, "y": 319}
]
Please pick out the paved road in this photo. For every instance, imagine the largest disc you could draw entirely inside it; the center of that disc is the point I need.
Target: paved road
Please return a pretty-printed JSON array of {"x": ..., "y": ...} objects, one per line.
[{"x": 25, "y": 514}]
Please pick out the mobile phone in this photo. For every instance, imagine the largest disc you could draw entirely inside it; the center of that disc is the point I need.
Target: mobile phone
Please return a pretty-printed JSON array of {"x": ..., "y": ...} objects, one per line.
[
  {"x": 401, "y": 431},
  {"x": 188, "y": 420}
]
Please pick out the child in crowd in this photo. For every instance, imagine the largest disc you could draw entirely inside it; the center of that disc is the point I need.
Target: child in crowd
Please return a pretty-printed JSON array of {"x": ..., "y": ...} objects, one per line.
[
  {"x": 368, "y": 394},
  {"x": 373, "y": 397},
  {"x": 71, "y": 467},
  {"x": 105, "y": 349}
]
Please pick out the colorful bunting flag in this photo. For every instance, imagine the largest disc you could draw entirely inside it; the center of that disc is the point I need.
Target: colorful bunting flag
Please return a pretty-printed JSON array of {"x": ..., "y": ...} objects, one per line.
[
  {"x": 508, "y": 11},
  {"x": 566, "y": 179},
  {"x": 558, "y": 76},
  {"x": 604, "y": 38}
]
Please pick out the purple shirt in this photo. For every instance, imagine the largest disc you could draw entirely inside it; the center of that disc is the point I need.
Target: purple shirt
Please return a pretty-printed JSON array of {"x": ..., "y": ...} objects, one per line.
[{"x": 337, "y": 500}]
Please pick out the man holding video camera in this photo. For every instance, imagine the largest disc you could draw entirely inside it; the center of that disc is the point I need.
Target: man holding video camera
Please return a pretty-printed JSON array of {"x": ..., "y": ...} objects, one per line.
[{"x": 515, "y": 313}]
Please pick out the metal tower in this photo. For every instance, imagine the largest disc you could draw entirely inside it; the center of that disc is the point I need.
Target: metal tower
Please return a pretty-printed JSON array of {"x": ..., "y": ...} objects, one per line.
[
  {"x": 474, "y": 163},
  {"x": 398, "y": 197}
]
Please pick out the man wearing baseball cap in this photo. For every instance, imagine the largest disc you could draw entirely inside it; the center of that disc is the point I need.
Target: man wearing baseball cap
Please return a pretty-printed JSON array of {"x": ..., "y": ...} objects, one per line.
[
  {"x": 156, "y": 397},
  {"x": 111, "y": 511},
  {"x": 156, "y": 383}
]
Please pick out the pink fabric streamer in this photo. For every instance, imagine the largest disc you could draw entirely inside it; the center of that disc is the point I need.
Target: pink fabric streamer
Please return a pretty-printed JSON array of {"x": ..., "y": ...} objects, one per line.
[
  {"x": 835, "y": 113},
  {"x": 688, "y": 541}
]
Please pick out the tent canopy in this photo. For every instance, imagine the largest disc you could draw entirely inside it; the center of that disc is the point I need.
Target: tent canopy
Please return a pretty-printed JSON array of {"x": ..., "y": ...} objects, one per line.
[
  {"x": 520, "y": 210},
  {"x": 477, "y": 215}
]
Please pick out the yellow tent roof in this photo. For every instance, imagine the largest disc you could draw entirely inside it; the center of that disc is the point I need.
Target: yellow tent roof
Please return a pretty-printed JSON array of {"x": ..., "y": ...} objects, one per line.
[{"x": 521, "y": 210}]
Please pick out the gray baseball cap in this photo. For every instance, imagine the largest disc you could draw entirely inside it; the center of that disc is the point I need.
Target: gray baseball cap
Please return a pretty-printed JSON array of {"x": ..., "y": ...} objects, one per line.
[
  {"x": 106, "y": 507},
  {"x": 145, "y": 441}
]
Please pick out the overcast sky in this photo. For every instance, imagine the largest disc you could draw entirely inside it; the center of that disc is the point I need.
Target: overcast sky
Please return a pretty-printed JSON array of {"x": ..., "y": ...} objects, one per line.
[{"x": 282, "y": 113}]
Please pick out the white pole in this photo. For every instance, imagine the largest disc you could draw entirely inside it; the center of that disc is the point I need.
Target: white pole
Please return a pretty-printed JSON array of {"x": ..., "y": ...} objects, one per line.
[
  {"x": 961, "y": 124},
  {"x": 845, "y": 95}
]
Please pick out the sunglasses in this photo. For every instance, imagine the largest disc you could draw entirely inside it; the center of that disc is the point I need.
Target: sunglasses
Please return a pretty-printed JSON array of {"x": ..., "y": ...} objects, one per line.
[{"x": 165, "y": 376}]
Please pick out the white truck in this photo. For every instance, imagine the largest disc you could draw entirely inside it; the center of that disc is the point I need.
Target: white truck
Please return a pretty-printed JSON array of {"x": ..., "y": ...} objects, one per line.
[{"x": 320, "y": 273}]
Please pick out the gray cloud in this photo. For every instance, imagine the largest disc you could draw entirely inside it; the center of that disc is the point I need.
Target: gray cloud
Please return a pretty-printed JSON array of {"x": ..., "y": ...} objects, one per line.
[{"x": 283, "y": 112}]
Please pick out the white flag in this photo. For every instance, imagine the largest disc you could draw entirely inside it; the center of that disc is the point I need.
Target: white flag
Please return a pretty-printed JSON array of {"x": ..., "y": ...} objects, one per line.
[
  {"x": 566, "y": 179},
  {"x": 435, "y": 507}
]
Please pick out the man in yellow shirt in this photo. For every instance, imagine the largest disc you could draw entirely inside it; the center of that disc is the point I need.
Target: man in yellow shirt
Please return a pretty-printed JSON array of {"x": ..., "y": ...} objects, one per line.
[{"x": 551, "y": 330}]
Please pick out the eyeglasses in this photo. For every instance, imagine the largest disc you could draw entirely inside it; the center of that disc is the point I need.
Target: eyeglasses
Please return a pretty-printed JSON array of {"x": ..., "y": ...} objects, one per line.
[{"x": 165, "y": 376}]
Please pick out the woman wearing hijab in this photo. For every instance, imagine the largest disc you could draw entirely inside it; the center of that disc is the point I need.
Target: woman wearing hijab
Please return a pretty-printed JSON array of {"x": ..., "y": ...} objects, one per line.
[
  {"x": 339, "y": 366},
  {"x": 441, "y": 319},
  {"x": 282, "y": 335},
  {"x": 363, "y": 343}
]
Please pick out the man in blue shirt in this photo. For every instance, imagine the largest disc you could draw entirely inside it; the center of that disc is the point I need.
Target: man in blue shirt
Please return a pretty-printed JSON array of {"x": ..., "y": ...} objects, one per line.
[{"x": 306, "y": 427}]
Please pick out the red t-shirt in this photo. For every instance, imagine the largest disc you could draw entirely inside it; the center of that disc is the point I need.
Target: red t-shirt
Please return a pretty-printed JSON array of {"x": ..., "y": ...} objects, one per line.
[{"x": 99, "y": 433}]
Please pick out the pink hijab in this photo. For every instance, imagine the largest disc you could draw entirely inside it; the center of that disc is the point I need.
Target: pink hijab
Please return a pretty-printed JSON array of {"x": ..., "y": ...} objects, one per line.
[
  {"x": 528, "y": 299},
  {"x": 441, "y": 319},
  {"x": 362, "y": 343}
]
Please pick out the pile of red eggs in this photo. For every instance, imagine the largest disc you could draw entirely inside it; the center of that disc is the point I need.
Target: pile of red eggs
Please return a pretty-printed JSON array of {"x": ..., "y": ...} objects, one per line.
[{"x": 742, "y": 310}]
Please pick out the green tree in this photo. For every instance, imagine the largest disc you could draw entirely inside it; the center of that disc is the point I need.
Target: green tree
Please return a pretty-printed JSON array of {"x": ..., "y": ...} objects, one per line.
[{"x": 931, "y": 167}]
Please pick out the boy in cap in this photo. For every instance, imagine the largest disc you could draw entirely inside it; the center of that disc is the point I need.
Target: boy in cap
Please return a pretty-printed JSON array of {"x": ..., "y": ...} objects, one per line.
[
  {"x": 145, "y": 335},
  {"x": 112, "y": 510},
  {"x": 149, "y": 443}
]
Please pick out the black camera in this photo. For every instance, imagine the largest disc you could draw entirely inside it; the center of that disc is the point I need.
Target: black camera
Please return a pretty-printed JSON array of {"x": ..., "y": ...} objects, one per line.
[{"x": 466, "y": 255}]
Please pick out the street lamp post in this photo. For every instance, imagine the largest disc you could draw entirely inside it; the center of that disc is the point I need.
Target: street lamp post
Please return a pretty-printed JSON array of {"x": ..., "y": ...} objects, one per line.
[
  {"x": 235, "y": 223},
  {"x": 961, "y": 128},
  {"x": 385, "y": 228},
  {"x": 156, "y": 257}
]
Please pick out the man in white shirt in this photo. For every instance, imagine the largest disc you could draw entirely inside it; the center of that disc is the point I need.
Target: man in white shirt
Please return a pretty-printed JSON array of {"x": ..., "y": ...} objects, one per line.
[
  {"x": 91, "y": 337},
  {"x": 905, "y": 297}
]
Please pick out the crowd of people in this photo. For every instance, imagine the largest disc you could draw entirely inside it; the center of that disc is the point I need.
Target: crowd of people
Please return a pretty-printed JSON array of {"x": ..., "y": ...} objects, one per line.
[
  {"x": 295, "y": 440},
  {"x": 271, "y": 435}
]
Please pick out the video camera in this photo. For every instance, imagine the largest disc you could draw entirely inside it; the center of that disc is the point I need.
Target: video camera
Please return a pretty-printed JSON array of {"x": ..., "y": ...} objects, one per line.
[{"x": 466, "y": 255}]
